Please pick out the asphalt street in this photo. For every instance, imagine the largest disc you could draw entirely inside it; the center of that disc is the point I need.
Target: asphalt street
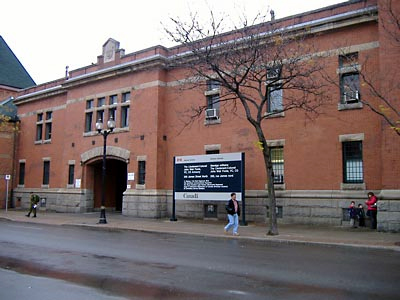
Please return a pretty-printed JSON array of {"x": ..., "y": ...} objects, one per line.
[{"x": 143, "y": 265}]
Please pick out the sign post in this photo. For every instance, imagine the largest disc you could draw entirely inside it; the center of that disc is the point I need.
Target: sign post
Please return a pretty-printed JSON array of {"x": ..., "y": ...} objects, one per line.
[
  {"x": 7, "y": 177},
  {"x": 210, "y": 177}
]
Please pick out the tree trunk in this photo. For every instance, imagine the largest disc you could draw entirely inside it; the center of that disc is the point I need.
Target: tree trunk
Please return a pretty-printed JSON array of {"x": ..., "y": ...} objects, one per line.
[{"x": 273, "y": 225}]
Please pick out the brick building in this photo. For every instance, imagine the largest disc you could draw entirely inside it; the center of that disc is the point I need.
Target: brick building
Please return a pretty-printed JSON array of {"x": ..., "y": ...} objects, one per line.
[
  {"x": 13, "y": 78},
  {"x": 320, "y": 166}
]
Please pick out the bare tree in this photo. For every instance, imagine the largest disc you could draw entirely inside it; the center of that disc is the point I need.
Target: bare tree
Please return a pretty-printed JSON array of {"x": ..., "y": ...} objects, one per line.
[{"x": 253, "y": 64}]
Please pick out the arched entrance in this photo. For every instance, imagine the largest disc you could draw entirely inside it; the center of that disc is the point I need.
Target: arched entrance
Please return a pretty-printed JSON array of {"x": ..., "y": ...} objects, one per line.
[{"x": 116, "y": 176}]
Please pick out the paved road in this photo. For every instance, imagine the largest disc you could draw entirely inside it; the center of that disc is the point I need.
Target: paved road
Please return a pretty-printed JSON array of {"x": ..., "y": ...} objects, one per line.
[{"x": 138, "y": 265}]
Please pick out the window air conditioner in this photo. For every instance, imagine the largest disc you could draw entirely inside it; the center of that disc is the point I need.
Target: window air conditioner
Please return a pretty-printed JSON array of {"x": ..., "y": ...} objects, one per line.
[
  {"x": 211, "y": 113},
  {"x": 273, "y": 73},
  {"x": 351, "y": 97}
]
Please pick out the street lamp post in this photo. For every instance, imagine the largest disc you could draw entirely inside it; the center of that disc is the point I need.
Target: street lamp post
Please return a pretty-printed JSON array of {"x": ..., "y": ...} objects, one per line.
[{"x": 104, "y": 133}]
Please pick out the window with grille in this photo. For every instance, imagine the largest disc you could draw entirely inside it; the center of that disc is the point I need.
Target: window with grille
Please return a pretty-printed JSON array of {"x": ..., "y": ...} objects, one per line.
[
  {"x": 353, "y": 168},
  {"x": 277, "y": 161},
  {"x": 142, "y": 172}
]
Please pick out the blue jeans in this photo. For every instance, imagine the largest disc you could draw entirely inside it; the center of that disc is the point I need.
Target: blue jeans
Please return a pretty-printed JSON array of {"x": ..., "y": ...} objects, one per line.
[{"x": 233, "y": 222}]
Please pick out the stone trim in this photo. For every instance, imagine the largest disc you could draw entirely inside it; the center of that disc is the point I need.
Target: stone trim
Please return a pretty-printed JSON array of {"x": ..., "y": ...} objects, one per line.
[
  {"x": 110, "y": 151},
  {"x": 353, "y": 186},
  {"x": 276, "y": 143},
  {"x": 351, "y": 137},
  {"x": 212, "y": 147}
]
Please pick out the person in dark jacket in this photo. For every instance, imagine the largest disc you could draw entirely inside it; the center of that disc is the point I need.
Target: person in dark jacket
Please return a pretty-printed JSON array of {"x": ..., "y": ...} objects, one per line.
[
  {"x": 361, "y": 215},
  {"x": 372, "y": 209},
  {"x": 353, "y": 214},
  {"x": 34, "y": 203},
  {"x": 233, "y": 210}
]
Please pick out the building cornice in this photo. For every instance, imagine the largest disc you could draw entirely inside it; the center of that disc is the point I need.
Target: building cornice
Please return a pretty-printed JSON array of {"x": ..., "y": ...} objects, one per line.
[{"x": 341, "y": 20}]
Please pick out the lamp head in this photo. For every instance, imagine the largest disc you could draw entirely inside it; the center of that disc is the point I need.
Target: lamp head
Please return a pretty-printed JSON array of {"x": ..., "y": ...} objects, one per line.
[
  {"x": 99, "y": 125},
  {"x": 111, "y": 124}
]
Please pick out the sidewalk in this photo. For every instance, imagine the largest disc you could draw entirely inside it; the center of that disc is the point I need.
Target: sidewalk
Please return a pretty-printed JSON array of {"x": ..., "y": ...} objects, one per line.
[{"x": 306, "y": 234}]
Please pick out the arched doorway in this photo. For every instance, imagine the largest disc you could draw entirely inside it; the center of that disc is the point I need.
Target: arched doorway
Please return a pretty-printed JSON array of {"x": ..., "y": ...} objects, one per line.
[
  {"x": 117, "y": 160},
  {"x": 116, "y": 176}
]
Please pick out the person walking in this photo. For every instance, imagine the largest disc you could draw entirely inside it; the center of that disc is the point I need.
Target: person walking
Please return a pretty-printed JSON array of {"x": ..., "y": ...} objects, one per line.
[
  {"x": 372, "y": 209},
  {"x": 233, "y": 210},
  {"x": 33, "y": 205}
]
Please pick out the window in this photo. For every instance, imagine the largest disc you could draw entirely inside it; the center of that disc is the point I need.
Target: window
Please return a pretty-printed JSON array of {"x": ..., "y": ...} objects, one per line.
[
  {"x": 126, "y": 97},
  {"x": 213, "y": 100},
  {"x": 353, "y": 169},
  {"x": 101, "y": 101},
  {"x": 88, "y": 121},
  {"x": 350, "y": 87},
  {"x": 212, "y": 85},
  {"x": 277, "y": 161},
  {"x": 47, "y": 135},
  {"x": 100, "y": 115},
  {"x": 113, "y": 99},
  {"x": 125, "y": 116},
  {"x": 48, "y": 125},
  {"x": 71, "y": 170},
  {"x": 112, "y": 113},
  {"x": 142, "y": 172},
  {"x": 46, "y": 172},
  {"x": 39, "y": 130},
  {"x": 216, "y": 151},
  {"x": 21, "y": 173},
  {"x": 275, "y": 99},
  {"x": 349, "y": 78},
  {"x": 39, "y": 127},
  {"x": 89, "y": 104}
]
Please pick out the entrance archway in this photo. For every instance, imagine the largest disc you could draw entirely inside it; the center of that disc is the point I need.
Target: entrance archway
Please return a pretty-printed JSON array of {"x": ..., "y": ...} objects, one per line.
[{"x": 116, "y": 175}]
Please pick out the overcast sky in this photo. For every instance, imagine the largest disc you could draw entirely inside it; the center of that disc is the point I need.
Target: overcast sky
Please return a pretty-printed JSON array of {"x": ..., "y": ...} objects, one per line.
[{"x": 47, "y": 35}]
